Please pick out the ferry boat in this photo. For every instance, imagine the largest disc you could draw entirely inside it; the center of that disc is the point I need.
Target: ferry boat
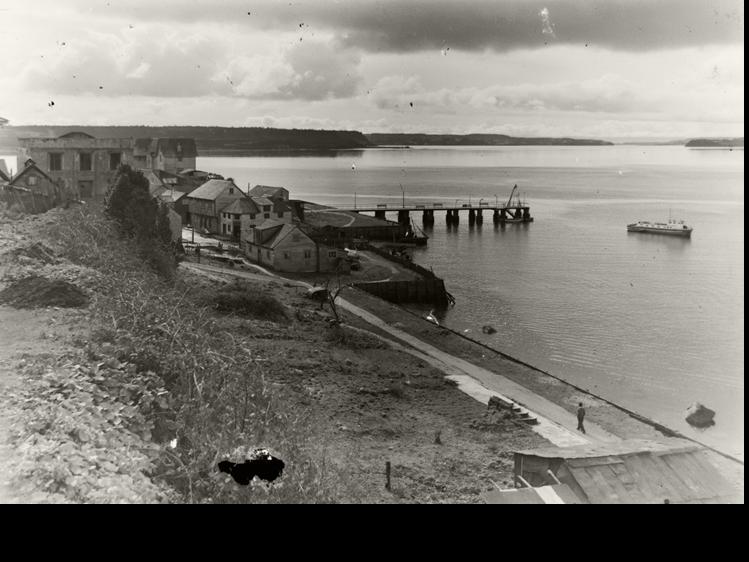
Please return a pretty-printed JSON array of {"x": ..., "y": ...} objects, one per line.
[{"x": 672, "y": 227}]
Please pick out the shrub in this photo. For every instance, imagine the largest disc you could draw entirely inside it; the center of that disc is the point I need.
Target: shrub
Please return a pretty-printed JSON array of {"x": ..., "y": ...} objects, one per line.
[{"x": 245, "y": 300}]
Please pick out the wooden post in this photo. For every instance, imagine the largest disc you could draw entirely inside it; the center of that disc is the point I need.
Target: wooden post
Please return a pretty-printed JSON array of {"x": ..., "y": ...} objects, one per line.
[{"x": 387, "y": 475}]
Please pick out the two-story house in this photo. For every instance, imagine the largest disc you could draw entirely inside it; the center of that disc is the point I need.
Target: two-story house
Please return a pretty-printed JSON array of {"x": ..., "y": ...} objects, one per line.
[
  {"x": 205, "y": 204},
  {"x": 287, "y": 247},
  {"x": 78, "y": 161},
  {"x": 172, "y": 155}
]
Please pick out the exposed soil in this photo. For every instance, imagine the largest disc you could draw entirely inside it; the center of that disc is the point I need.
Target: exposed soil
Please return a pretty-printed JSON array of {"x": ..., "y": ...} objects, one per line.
[{"x": 40, "y": 292}]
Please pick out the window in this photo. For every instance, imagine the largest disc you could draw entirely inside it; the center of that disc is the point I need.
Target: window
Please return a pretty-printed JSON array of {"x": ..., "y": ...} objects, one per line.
[
  {"x": 267, "y": 253},
  {"x": 286, "y": 256},
  {"x": 31, "y": 180},
  {"x": 231, "y": 191},
  {"x": 266, "y": 215},
  {"x": 252, "y": 216},
  {"x": 85, "y": 161},
  {"x": 114, "y": 160},
  {"x": 307, "y": 254},
  {"x": 266, "y": 207},
  {"x": 280, "y": 215},
  {"x": 332, "y": 254},
  {"x": 55, "y": 161}
]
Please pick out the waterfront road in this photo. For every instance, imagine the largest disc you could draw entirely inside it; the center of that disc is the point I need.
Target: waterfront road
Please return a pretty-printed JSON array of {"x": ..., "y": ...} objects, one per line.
[{"x": 555, "y": 423}]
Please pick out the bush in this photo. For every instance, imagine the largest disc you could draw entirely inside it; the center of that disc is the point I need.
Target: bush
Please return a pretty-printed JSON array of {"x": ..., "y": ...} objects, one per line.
[{"x": 245, "y": 300}]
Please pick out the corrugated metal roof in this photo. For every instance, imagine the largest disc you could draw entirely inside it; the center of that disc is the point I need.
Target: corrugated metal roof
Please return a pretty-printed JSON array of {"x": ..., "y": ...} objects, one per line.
[
  {"x": 609, "y": 448},
  {"x": 678, "y": 477},
  {"x": 640, "y": 471},
  {"x": 211, "y": 189}
]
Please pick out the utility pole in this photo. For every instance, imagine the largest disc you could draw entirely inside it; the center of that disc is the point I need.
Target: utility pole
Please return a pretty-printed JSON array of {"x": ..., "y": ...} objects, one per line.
[{"x": 403, "y": 191}]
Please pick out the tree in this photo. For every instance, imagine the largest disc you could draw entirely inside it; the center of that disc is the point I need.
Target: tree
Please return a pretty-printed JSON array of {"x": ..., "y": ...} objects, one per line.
[
  {"x": 129, "y": 202},
  {"x": 142, "y": 218}
]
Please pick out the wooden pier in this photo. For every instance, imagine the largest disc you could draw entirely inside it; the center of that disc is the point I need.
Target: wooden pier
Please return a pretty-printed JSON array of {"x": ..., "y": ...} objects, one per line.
[{"x": 501, "y": 213}]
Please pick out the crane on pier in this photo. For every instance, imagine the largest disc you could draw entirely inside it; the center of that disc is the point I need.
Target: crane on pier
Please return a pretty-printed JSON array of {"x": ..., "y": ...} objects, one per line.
[{"x": 509, "y": 201}]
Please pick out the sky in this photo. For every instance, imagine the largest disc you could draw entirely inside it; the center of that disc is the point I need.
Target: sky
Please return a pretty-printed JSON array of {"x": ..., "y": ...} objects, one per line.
[{"x": 582, "y": 68}]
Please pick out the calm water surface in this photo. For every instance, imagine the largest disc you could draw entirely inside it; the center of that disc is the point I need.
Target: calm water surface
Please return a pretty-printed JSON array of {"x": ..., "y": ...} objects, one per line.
[{"x": 651, "y": 322}]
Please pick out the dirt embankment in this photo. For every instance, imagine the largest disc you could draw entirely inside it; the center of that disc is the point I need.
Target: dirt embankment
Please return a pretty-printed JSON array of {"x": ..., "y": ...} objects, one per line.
[{"x": 168, "y": 375}]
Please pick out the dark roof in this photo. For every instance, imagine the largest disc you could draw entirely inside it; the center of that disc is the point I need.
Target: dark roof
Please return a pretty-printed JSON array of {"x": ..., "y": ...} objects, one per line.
[
  {"x": 143, "y": 146},
  {"x": 28, "y": 166},
  {"x": 76, "y": 135},
  {"x": 242, "y": 206},
  {"x": 169, "y": 146},
  {"x": 211, "y": 189},
  {"x": 268, "y": 191}
]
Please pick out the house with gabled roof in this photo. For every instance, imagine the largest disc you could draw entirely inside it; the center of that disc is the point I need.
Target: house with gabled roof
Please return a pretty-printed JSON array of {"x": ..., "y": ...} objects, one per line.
[
  {"x": 168, "y": 154},
  {"x": 288, "y": 248},
  {"x": 206, "y": 203},
  {"x": 33, "y": 189}
]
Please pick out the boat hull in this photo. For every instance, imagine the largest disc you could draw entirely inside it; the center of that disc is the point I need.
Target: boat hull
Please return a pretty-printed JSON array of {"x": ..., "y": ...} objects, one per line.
[{"x": 668, "y": 232}]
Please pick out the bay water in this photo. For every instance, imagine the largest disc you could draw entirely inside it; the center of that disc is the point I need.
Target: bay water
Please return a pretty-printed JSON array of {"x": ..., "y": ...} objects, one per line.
[{"x": 651, "y": 322}]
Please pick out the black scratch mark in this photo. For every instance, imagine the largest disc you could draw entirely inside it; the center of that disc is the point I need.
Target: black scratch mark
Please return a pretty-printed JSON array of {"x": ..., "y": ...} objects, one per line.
[{"x": 261, "y": 464}]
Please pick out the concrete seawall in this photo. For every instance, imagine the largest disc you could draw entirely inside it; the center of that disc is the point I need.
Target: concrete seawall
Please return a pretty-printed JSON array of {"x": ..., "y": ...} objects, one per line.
[{"x": 430, "y": 291}]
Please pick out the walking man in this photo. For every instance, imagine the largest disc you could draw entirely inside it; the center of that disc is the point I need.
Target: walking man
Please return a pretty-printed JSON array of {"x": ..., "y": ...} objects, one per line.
[{"x": 580, "y": 417}]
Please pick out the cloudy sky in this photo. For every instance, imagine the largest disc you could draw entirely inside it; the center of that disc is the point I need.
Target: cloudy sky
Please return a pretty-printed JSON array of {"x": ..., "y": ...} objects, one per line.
[{"x": 593, "y": 68}]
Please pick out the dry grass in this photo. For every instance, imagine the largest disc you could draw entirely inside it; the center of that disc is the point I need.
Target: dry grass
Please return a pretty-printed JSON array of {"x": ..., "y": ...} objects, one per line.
[{"x": 219, "y": 397}]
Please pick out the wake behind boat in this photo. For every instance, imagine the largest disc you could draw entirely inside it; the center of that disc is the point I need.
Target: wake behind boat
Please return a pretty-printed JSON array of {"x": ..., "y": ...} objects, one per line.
[{"x": 672, "y": 227}]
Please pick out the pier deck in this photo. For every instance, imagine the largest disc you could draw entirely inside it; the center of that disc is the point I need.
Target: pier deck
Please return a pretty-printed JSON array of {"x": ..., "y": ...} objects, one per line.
[{"x": 500, "y": 212}]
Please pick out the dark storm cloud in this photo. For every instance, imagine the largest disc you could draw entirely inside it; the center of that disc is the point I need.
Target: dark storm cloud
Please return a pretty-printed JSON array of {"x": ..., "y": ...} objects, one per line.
[{"x": 412, "y": 25}]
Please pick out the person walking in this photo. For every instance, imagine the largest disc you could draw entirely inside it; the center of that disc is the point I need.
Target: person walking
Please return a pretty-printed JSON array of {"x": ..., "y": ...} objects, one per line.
[{"x": 580, "y": 417}]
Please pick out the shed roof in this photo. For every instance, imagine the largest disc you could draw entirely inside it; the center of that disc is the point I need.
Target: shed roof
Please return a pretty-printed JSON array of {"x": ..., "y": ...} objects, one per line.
[
  {"x": 640, "y": 471},
  {"x": 679, "y": 476},
  {"x": 554, "y": 494},
  {"x": 211, "y": 189},
  {"x": 627, "y": 446}
]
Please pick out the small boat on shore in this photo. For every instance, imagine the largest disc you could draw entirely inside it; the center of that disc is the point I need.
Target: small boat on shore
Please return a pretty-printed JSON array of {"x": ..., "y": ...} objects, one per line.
[{"x": 672, "y": 227}]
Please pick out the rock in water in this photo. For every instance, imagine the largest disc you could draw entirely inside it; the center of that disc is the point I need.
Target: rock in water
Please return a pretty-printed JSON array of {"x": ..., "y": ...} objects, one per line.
[
  {"x": 700, "y": 416},
  {"x": 489, "y": 329}
]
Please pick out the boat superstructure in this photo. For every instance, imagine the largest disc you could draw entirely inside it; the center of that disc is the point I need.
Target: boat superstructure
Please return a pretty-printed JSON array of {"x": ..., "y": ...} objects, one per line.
[{"x": 672, "y": 227}]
